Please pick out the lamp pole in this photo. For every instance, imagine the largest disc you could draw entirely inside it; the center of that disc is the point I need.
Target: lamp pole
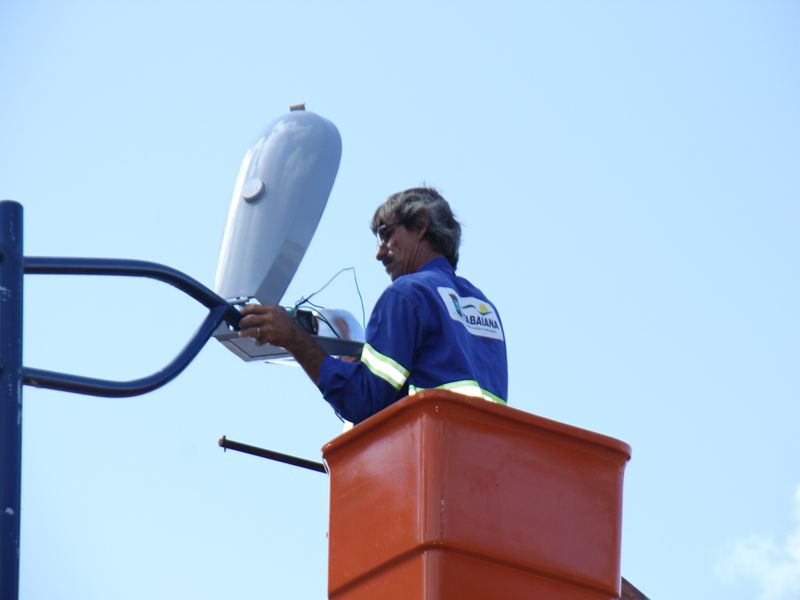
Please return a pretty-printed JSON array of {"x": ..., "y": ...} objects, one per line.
[
  {"x": 13, "y": 375},
  {"x": 11, "y": 272}
]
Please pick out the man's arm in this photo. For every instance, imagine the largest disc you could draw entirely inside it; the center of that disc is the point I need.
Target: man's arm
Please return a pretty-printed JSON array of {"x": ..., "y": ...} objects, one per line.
[
  {"x": 358, "y": 390},
  {"x": 355, "y": 390},
  {"x": 352, "y": 391},
  {"x": 273, "y": 325}
]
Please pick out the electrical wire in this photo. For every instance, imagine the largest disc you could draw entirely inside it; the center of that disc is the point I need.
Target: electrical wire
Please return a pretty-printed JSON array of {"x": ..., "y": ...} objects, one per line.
[
  {"x": 328, "y": 323},
  {"x": 306, "y": 299}
]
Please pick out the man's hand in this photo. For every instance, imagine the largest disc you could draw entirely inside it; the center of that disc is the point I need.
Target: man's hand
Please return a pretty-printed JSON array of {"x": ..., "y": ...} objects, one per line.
[
  {"x": 273, "y": 325},
  {"x": 269, "y": 325}
]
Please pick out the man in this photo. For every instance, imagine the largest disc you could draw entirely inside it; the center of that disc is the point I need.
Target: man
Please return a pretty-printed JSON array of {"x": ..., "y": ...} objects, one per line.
[{"x": 429, "y": 329}]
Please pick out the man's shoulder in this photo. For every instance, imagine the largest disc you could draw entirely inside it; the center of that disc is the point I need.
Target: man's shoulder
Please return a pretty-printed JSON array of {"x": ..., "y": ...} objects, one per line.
[
  {"x": 421, "y": 282},
  {"x": 429, "y": 283}
]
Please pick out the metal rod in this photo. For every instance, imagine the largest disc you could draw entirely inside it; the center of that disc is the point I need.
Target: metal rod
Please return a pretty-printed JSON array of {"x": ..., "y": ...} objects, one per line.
[
  {"x": 227, "y": 444},
  {"x": 10, "y": 395},
  {"x": 49, "y": 265},
  {"x": 220, "y": 310},
  {"x": 118, "y": 389}
]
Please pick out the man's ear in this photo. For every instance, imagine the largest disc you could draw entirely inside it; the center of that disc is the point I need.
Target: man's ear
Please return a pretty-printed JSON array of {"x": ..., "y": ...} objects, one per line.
[{"x": 424, "y": 221}]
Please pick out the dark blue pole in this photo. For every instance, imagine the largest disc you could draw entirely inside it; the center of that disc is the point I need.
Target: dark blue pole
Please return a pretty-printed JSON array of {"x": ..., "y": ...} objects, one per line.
[{"x": 10, "y": 395}]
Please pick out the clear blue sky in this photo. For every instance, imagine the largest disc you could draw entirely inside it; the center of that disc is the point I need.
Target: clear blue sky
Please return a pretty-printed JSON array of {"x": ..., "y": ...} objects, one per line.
[{"x": 627, "y": 175}]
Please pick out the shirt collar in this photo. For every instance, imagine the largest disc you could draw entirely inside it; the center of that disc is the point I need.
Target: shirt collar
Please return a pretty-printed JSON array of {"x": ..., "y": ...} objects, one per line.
[{"x": 440, "y": 263}]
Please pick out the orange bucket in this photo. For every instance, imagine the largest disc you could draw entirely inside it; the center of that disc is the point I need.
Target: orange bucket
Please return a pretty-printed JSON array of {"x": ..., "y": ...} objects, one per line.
[{"x": 442, "y": 496}]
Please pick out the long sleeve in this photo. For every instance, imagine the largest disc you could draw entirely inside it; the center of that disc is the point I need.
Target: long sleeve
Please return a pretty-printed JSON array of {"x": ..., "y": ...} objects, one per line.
[{"x": 360, "y": 389}]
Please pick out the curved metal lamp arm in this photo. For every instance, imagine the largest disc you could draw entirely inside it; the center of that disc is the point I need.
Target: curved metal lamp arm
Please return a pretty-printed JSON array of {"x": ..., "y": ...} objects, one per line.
[
  {"x": 220, "y": 311},
  {"x": 49, "y": 265}
]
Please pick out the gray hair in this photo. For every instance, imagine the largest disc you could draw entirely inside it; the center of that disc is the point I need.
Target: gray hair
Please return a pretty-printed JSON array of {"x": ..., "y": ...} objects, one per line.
[{"x": 412, "y": 208}]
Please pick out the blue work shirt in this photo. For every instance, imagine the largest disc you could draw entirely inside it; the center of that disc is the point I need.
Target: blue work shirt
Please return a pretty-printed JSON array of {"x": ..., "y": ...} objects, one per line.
[{"x": 429, "y": 329}]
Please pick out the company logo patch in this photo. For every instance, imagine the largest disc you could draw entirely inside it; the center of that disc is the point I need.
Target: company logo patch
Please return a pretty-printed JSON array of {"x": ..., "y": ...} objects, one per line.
[{"x": 478, "y": 316}]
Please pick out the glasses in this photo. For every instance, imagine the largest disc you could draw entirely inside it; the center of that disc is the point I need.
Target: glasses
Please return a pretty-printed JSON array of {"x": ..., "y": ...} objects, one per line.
[{"x": 384, "y": 232}]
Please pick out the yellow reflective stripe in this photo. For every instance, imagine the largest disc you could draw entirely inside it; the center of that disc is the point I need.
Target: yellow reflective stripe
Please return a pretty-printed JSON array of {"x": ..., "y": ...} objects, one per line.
[
  {"x": 468, "y": 388},
  {"x": 492, "y": 398},
  {"x": 384, "y": 367}
]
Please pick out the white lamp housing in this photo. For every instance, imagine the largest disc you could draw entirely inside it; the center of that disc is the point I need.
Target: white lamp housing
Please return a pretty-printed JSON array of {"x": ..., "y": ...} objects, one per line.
[{"x": 280, "y": 194}]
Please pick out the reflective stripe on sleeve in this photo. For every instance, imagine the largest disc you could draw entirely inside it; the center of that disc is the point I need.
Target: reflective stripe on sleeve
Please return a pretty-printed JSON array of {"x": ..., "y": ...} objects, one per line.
[
  {"x": 468, "y": 388},
  {"x": 384, "y": 367}
]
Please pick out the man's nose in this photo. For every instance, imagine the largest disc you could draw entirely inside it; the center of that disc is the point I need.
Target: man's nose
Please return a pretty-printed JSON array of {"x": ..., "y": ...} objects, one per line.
[{"x": 381, "y": 252}]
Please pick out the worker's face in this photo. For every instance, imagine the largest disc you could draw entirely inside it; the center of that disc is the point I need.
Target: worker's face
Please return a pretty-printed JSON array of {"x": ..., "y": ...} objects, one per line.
[{"x": 398, "y": 249}]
